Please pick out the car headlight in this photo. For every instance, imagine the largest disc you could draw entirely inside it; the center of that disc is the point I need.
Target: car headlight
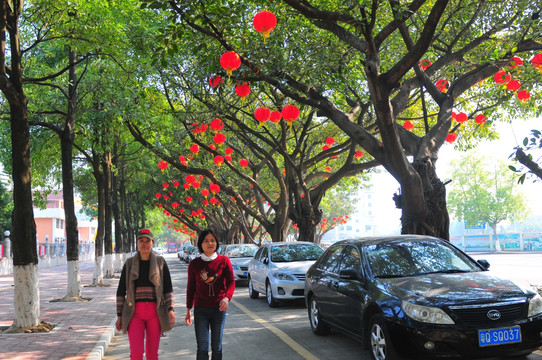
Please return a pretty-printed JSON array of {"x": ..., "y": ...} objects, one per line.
[
  {"x": 235, "y": 267},
  {"x": 283, "y": 276},
  {"x": 426, "y": 314},
  {"x": 535, "y": 306}
]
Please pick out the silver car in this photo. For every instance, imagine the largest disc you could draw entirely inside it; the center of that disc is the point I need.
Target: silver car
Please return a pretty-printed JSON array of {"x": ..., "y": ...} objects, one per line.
[
  {"x": 240, "y": 255},
  {"x": 278, "y": 270}
]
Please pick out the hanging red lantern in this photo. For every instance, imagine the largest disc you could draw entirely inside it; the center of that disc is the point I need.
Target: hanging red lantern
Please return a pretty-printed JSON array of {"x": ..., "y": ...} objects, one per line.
[
  {"x": 461, "y": 117},
  {"x": 408, "y": 125},
  {"x": 230, "y": 61},
  {"x": 330, "y": 141},
  {"x": 189, "y": 199},
  {"x": 190, "y": 179},
  {"x": 196, "y": 184},
  {"x": 219, "y": 138},
  {"x": 358, "y": 154},
  {"x": 158, "y": 195},
  {"x": 328, "y": 168},
  {"x": 513, "y": 85},
  {"x": 325, "y": 147},
  {"x": 183, "y": 161},
  {"x": 213, "y": 201},
  {"x": 186, "y": 186},
  {"x": 262, "y": 114},
  {"x": 228, "y": 151},
  {"x": 264, "y": 22},
  {"x": 216, "y": 124},
  {"x": 215, "y": 81},
  {"x": 442, "y": 85},
  {"x": 516, "y": 61},
  {"x": 162, "y": 165},
  {"x": 537, "y": 61},
  {"x": 175, "y": 205},
  {"x": 219, "y": 160},
  {"x": 212, "y": 147},
  {"x": 480, "y": 119},
  {"x": 243, "y": 162},
  {"x": 451, "y": 137},
  {"x": 523, "y": 95},
  {"x": 290, "y": 113},
  {"x": 275, "y": 116},
  {"x": 215, "y": 188},
  {"x": 205, "y": 192},
  {"x": 194, "y": 148},
  {"x": 228, "y": 158},
  {"x": 242, "y": 90},
  {"x": 205, "y": 202},
  {"x": 501, "y": 77},
  {"x": 425, "y": 63}
]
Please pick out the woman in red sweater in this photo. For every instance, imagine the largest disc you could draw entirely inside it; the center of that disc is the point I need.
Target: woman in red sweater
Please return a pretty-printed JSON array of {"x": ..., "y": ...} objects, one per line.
[{"x": 211, "y": 284}]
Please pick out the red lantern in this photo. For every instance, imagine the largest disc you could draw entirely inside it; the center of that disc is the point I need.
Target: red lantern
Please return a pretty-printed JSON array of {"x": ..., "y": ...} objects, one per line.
[
  {"x": 216, "y": 124},
  {"x": 196, "y": 184},
  {"x": 213, "y": 201},
  {"x": 461, "y": 117},
  {"x": 515, "y": 62},
  {"x": 215, "y": 81},
  {"x": 219, "y": 160},
  {"x": 162, "y": 165},
  {"x": 358, "y": 154},
  {"x": 205, "y": 192},
  {"x": 228, "y": 151},
  {"x": 215, "y": 188},
  {"x": 264, "y": 22},
  {"x": 425, "y": 63},
  {"x": 513, "y": 85},
  {"x": 228, "y": 158},
  {"x": 325, "y": 147},
  {"x": 328, "y": 168},
  {"x": 219, "y": 138},
  {"x": 537, "y": 61},
  {"x": 442, "y": 85},
  {"x": 189, "y": 199},
  {"x": 190, "y": 179},
  {"x": 194, "y": 148},
  {"x": 480, "y": 119},
  {"x": 243, "y": 162},
  {"x": 451, "y": 137},
  {"x": 230, "y": 61},
  {"x": 523, "y": 95},
  {"x": 212, "y": 147},
  {"x": 275, "y": 116},
  {"x": 175, "y": 205},
  {"x": 262, "y": 114},
  {"x": 330, "y": 141},
  {"x": 183, "y": 161},
  {"x": 242, "y": 90},
  {"x": 158, "y": 195},
  {"x": 501, "y": 77},
  {"x": 408, "y": 125},
  {"x": 290, "y": 113}
]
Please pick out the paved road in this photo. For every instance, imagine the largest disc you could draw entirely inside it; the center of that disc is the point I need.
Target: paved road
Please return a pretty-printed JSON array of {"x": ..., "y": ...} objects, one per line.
[{"x": 253, "y": 330}]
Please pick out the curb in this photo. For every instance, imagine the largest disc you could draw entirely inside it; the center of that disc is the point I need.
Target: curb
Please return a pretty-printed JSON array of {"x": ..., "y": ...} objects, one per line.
[{"x": 98, "y": 351}]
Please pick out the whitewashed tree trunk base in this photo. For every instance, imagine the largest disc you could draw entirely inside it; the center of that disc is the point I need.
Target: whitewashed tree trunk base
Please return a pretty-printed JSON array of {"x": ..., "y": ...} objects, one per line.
[
  {"x": 26, "y": 296},
  {"x": 109, "y": 270},
  {"x": 98, "y": 276},
  {"x": 74, "y": 279}
]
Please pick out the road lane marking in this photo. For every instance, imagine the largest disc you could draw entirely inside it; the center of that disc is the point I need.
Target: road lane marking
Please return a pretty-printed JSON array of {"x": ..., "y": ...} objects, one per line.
[{"x": 281, "y": 334}]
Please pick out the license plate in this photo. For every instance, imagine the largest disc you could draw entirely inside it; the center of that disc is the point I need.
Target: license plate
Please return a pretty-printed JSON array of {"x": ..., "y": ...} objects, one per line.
[
  {"x": 499, "y": 336},
  {"x": 245, "y": 274}
]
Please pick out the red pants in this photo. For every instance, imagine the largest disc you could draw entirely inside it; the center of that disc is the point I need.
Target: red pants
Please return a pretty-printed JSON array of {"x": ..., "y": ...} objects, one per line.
[{"x": 144, "y": 325}]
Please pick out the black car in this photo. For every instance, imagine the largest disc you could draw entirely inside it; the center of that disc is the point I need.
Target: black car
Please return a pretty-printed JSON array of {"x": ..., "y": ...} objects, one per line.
[{"x": 420, "y": 297}]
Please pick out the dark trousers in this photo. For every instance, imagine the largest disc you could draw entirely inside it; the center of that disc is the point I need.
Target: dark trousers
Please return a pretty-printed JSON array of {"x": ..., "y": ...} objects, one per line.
[{"x": 206, "y": 320}]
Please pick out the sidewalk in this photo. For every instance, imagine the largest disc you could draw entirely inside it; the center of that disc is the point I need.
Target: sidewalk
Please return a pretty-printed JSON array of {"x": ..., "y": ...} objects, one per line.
[{"x": 83, "y": 329}]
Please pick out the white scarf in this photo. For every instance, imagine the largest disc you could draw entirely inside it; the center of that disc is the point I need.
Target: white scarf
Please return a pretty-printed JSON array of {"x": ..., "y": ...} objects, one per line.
[{"x": 209, "y": 258}]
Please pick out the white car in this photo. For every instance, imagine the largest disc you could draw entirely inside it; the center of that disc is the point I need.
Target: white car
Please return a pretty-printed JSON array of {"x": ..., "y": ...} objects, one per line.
[
  {"x": 240, "y": 255},
  {"x": 278, "y": 270}
]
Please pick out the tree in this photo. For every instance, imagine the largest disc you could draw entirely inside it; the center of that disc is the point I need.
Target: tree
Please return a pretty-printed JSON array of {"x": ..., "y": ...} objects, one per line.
[
  {"x": 485, "y": 193},
  {"x": 370, "y": 68},
  {"x": 528, "y": 155}
]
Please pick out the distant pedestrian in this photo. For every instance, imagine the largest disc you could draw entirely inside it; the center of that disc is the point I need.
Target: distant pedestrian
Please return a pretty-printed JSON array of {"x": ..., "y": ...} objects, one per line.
[
  {"x": 145, "y": 299},
  {"x": 211, "y": 284}
]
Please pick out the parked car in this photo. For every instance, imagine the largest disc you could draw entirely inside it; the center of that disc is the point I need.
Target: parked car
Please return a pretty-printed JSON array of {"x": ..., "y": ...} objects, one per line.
[
  {"x": 278, "y": 270},
  {"x": 240, "y": 255},
  {"x": 188, "y": 250},
  {"x": 420, "y": 297}
]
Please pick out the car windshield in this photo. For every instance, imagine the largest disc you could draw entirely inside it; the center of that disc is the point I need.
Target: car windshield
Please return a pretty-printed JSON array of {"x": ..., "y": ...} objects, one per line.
[
  {"x": 413, "y": 258},
  {"x": 240, "y": 251},
  {"x": 295, "y": 252}
]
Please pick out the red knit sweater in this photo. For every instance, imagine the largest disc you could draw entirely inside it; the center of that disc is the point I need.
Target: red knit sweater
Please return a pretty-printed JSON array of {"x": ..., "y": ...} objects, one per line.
[{"x": 209, "y": 282}]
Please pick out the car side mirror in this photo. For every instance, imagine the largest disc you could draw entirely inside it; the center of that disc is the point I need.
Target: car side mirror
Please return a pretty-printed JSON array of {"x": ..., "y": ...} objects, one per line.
[
  {"x": 484, "y": 263},
  {"x": 349, "y": 274}
]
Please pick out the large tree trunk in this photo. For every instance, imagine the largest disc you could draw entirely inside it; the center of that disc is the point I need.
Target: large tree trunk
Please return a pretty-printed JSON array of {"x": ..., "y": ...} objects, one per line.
[
  {"x": 72, "y": 232},
  {"x": 25, "y": 257},
  {"x": 99, "y": 244},
  {"x": 109, "y": 270}
]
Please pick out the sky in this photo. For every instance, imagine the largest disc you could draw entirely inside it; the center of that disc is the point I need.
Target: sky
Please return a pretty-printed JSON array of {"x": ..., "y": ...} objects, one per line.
[{"x": 384, "y": 185}]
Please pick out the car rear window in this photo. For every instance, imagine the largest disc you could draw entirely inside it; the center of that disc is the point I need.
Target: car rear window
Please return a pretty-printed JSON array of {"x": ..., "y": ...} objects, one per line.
[{"x": 295, "y": 252}]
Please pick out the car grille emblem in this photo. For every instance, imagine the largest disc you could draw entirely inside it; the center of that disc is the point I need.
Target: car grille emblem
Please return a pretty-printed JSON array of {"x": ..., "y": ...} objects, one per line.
[{"x": 493, "y": 315}]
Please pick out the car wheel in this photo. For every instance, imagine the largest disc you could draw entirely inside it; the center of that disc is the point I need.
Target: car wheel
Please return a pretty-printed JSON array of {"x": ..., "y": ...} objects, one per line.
[
  {"x": 270, "y": 299},
  {"x": 381, "y": 347},
  {"x": 317, "y": 326},
  {"x": 251, "y": 292}
]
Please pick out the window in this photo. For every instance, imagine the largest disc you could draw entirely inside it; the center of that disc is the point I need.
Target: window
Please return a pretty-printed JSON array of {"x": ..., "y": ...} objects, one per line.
[
  {"x": 330, "y": 261},
  {"x": 351, "y": 260},
  {"x": 59, "y": 224}
]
